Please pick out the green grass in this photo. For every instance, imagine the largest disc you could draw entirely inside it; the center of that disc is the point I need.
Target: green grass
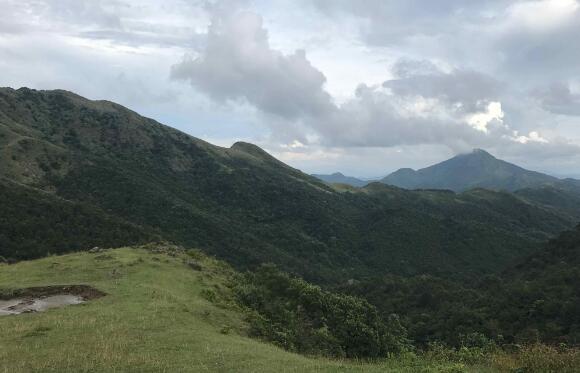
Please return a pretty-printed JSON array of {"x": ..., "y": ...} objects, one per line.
[{"x": 154, "y": 319}]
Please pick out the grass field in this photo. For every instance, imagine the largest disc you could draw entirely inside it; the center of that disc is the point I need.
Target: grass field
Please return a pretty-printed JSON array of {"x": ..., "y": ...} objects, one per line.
[{"x": 155, "y": 318}]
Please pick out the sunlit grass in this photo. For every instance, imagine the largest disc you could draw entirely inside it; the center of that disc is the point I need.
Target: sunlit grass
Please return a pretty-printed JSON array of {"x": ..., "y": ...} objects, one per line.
[{"x": 154, "y": 319}]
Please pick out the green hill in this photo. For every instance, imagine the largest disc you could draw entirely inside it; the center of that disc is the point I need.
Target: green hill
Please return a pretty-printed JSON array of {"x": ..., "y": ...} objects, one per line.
[{"x": 238, "y": 203}]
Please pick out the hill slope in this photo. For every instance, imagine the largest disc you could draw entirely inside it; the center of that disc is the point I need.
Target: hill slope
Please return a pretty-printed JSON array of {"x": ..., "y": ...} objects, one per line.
[
  {"x": 478, "y": 169},
  {"x": 242, "y": 204},
  {"x": 34, "y": 223},
  {"x": 156, "y": 316}
]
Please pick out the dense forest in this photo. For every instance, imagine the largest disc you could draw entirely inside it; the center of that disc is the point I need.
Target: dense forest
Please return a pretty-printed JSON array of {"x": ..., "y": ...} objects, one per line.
[{"x": 535, "y": 301}]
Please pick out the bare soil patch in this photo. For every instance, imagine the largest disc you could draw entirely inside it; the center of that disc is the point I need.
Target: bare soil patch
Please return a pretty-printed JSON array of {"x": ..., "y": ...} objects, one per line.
[{"x": 38, "y": 299}]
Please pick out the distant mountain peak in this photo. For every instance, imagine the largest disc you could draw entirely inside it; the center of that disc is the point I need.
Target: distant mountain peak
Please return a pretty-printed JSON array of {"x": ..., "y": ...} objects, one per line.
[
  {"x": 482, "y": 153},
  {"x": 476, "y": 169},
  {"x": 479, "y": 151}
]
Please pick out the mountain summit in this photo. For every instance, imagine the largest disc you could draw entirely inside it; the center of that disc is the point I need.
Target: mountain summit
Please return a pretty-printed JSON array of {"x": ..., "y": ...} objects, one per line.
[{"x": 477, "y": 169}]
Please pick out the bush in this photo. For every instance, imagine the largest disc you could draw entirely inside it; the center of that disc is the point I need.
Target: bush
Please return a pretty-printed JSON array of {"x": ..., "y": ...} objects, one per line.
[{"x": 302, "y": 317}]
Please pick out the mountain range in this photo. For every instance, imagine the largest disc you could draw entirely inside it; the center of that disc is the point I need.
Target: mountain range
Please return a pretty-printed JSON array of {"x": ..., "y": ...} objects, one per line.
[{"x": 98, "y": 162}]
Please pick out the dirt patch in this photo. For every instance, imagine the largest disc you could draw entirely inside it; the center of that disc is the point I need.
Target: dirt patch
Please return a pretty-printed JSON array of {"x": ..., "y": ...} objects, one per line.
[{"x": 38, "y": 299}]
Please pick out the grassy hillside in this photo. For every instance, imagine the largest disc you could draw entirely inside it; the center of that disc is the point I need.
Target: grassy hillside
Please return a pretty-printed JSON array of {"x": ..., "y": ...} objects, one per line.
[
  {"x": 155, "y": 317},
  {"x": 240, "y": 203}
]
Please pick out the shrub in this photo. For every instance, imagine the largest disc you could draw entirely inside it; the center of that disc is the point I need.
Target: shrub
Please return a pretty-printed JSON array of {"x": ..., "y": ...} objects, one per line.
[{"x": 304, "y": 318}]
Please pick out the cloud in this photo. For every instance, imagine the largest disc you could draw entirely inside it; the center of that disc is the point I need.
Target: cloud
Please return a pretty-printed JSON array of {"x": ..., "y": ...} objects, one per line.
[
  {"x": 559, "y": 99},
  {"x": 121, "y": 22},
  {"x": 100, "y": 13},
  {"x": 424, "y": 103},
  {"x": 395, "y": 22},
  {"x": 239, "y": 64},
  {"x": 525, "y": 40},
  {"x": 466, "y": 88}
]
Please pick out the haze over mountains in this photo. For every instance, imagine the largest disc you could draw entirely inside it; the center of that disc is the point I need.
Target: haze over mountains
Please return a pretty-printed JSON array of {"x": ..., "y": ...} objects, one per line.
[{"x": 339, "y": 178}]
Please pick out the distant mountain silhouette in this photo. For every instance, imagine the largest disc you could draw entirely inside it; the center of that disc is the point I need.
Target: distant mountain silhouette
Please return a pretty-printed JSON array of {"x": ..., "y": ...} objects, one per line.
[
  {"x": 338, "y": 178},
  {"x": 477, "y": 169}
]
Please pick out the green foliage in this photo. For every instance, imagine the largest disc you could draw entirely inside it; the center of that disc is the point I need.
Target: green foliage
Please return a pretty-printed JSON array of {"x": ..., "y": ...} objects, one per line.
[
  {"x": 34, "y": 224},
  {"x": 537, "y": 300},
  {"x": 302, "y": 317},
  {"x": 244, "y": 206}
]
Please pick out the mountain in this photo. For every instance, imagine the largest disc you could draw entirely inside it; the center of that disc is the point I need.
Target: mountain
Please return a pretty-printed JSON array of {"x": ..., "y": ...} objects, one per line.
[
  {"x": 477, "y": 169},
  {"x": 338, "y": 178},
  {"x": 113, "y": 169}
]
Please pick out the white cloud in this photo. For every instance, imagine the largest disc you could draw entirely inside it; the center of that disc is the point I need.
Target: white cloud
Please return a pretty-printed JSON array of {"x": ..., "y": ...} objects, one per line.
[
  {"x": 532, "y": 137},
  {"x": 239, "y": 64},
  {"x": 542, "y": 15},
  {"x": 481, "y": 121}
]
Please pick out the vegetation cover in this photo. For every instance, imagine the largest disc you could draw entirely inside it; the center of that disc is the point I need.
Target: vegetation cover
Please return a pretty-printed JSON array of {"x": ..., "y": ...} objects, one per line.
[
  {"x": 240, "y": 203},
  {"x": 537, "y": 300}
]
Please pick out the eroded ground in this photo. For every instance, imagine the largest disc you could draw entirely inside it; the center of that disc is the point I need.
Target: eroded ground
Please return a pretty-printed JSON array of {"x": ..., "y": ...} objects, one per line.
[{"x": 40, "y": 299}]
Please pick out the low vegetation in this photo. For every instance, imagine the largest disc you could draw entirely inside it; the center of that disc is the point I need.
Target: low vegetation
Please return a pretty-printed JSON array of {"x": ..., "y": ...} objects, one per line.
[{"x": 304, "y": 318}]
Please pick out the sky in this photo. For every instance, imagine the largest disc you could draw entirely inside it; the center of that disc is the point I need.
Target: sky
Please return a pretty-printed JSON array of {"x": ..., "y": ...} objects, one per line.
[{"x": 360, "y": 87}]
